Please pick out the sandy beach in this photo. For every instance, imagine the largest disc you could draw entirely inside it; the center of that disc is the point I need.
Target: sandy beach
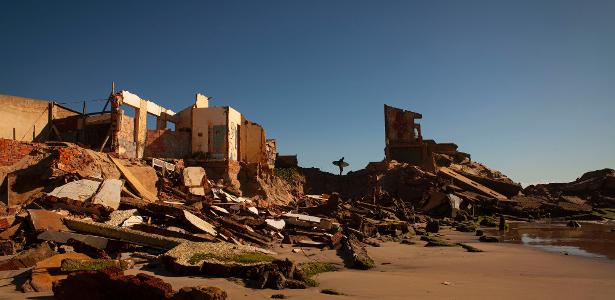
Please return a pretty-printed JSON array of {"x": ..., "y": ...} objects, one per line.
[{"x": 503, "y": 271}]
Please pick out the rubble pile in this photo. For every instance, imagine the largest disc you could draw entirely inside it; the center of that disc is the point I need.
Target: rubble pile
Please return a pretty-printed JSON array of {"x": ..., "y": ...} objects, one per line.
[
  {"x": 76, "y": 218},
  {"x": 594, "y": 190}
]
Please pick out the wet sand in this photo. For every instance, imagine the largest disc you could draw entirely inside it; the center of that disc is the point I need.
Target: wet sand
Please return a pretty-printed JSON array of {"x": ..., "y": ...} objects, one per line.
[{"x": 503, "y": 271}]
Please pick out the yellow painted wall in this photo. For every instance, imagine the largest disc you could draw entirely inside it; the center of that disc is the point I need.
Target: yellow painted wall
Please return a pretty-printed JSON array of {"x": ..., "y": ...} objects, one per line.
[
  {"x": 202, "y": 120},
  {"x": 252, "y": 142},
  {"x": 234, "y": 121}
]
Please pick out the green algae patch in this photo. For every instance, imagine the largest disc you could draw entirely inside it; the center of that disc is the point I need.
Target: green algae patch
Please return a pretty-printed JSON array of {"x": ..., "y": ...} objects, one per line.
[
  {"x": 311, "y": 269},
  {"x": 243, "y": 258}
]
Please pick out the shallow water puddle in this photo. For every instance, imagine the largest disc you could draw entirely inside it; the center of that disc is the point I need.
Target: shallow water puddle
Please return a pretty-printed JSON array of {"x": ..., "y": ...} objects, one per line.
[{"x": 591, "y": 240}]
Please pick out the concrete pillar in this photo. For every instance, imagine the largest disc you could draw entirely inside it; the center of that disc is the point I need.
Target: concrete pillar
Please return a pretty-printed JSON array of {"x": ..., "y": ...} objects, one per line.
[
  {"x": 140, "y": 128},
  {"x": 161, "y": 122}
]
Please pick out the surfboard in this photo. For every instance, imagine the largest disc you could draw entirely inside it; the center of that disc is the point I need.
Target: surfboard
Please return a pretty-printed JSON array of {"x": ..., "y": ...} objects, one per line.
[{"x": 344, "y": 164}]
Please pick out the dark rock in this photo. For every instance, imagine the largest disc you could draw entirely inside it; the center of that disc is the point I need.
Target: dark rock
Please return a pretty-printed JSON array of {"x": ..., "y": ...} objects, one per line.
[
  {"x": 502, "y": 225},
  {"x": 331, "y": 292},
  {"x": 466, "y": 227},
  {"x": 573, "y": 224},
  {"x": 278, "y": 296},
  {"x": 488, "y": 222},
  {"x": 433, "y": 226},
  {"x": 276, "y": 281},
  {"x": 479, "y": 232},
  {"x": 489, "y": 239},
  {"x": 200, "y": 293}
]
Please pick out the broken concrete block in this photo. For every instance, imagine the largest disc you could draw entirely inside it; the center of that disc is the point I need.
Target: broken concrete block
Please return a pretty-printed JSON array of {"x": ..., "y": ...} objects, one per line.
[
  {"x": 193, "y": 293},
  {"x": 253, "y": 210},
  {"x": 215, "y": 259},
  {"x": 277, "y": 224},
  {"x": 63, "y": 237},
  {"x": 193, "y": 176},
  {"x": 109, "y": 193},
  {"x": 10, "y": 232},
  {"x": 79, "y": 190},
  {"x": 199, "y": 223},
  {"x": 132, "y": 220},
  {"x": 199, "y": 190},
  {"x": 45, "y": 272},
  {"x": 43, "y": 219},
  {"x": 219, "y": 209},
  {"x": 117, "y": 217},
  {"x": 123, "y": 234},
  {"x": 357, "y": 253},
  {"x": 308, "y": 221},
  {"x": 73, "y": 265},
  {"x": 27, "y": 258}
]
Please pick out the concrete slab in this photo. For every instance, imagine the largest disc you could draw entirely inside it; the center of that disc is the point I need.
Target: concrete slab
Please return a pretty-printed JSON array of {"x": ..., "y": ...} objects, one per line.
[
  {"x": 109, "y": 193},
  {"x": 79, "y": 190},
  {"x": 132, "y": 220},
  {"x": 45, "y": 273},
  {"x": 199, "y": 191},
  {"x": 117, "y": 217},
  {"x": 199, "y": 223},
  {"x": 43, "y": 219},
  {"x": 193, "y": 176},
  {"x": 277, "y": 224},
  {"x": 63, "y": 237}
]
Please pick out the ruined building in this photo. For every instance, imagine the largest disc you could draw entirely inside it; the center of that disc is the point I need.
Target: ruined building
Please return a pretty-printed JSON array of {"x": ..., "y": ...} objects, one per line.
[
  {"x": 219, "y": 137},
  {"x": 404, "y": 141}
]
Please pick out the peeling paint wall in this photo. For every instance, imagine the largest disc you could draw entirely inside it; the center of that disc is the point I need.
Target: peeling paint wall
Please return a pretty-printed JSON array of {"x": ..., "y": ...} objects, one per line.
[
  {"x": 252, "y": 142},
  {"x": 234, "y": 121}
]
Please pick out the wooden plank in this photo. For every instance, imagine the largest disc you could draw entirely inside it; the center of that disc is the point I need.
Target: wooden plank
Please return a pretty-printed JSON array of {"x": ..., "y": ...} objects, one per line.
[
  {"x": 477, "y": 186},
  {"x": 133, "y": 181}
]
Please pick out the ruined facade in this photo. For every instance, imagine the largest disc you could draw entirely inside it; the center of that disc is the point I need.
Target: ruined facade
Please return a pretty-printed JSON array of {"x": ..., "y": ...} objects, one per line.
[{"x": 404, "y": 140}]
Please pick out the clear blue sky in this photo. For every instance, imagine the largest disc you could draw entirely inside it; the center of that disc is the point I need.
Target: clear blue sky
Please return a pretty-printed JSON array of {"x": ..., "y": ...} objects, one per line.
[{"x": 527, "y": 87}]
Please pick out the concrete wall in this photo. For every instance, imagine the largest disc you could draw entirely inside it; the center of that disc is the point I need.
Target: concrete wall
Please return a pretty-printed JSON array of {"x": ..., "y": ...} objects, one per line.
[
  {"x": 234, "y": 121},
  {"x": 202, "y": 121},
  {"x": 125, "y": 136},
  {"x": 183, "y": 120},
  {"x": 252, "y": 142},
  {"x": 28, "y": 116},
  {"x": 167, "y": 144}
]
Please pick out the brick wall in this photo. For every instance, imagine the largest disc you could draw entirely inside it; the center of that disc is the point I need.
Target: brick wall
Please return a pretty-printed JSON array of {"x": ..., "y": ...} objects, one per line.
[
  {"x": 126, "y": 146},
  {"x": 166, "y": 143},
  {"x": 12, "y": 151}
]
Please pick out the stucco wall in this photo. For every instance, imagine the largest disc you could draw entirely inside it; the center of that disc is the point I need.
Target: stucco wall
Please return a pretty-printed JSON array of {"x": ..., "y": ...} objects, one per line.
[
  {"x": 27, "y": 116},
  {"x": 252, "y": 142},
  {"x": 202, "y": 120},
  {"x": 234, "y": 121}
]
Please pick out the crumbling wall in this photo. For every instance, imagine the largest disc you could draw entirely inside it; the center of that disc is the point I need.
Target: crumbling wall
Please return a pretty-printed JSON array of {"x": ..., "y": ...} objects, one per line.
[
  {"x": 271, "y": 149},
  {"x": 12, "y": 151},
  {"x": 234, "y": 121},
  {"x": 29, "y": 118},
  {"x": 126, "y": 145},
  {"x": 166, "y": 143},
  {"x": 252, "y": 142}
]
